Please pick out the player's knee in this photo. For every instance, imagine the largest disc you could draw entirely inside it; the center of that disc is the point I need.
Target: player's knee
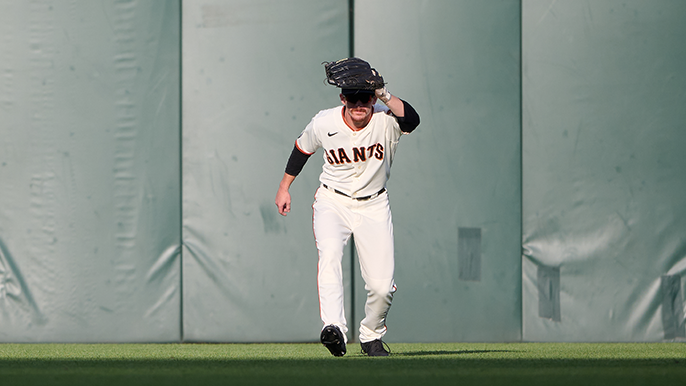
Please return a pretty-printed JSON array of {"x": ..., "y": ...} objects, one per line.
[{"x": 381, "y": 288}]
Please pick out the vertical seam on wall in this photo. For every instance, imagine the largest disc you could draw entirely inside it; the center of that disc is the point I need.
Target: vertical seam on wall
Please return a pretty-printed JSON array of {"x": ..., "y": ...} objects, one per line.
[
  {"x": 351, "y": 53},
  {"x": 181, "y": 332},
  {"x": 351, "y": 28},
  {"x": 521, "y": 169}
]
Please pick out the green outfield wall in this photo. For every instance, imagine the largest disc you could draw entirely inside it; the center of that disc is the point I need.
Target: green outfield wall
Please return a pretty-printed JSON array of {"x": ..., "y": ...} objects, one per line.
[
  {"x": 455, "y": 187},
  {"x": 604, "y": 214},
  {"x": 252, "y": 79},
  {"x": 142, "y": 143},
  {"x": 89, "y": 171}
]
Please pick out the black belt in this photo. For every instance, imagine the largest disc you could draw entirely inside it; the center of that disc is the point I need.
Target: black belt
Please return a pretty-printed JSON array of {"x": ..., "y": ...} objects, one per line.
[{"x": 365, "y": 198}]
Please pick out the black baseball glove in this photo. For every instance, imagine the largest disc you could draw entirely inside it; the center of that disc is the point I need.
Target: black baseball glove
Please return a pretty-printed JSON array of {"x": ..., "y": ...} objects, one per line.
[{"x": 353, "y": 73}]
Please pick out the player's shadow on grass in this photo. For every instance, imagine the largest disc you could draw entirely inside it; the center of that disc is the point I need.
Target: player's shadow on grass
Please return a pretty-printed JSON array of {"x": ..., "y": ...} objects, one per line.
[{"x": 444, "y": 352}]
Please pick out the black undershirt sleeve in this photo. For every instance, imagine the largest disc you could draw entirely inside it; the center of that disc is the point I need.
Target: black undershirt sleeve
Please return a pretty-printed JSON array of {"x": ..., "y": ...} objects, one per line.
[
  {"x": 296, "y": 161},
  {"x": 411, "y": 119}
]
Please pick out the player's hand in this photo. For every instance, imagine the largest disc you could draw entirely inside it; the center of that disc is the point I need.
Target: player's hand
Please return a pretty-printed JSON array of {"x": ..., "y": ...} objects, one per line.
[
  {"x": 383, "y": 94},
  {"x": 283, "y": 202}
]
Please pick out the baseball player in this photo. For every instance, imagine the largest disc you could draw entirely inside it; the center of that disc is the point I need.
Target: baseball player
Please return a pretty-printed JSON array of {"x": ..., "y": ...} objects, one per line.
[{"x": 358, "y": 139}]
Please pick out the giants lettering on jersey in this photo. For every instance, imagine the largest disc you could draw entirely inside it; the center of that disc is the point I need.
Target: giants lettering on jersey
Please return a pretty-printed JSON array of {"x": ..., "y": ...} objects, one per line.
[{"x": 359, "y": 154}]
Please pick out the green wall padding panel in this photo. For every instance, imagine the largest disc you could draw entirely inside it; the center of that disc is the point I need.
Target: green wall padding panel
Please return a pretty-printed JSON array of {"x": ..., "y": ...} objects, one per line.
[
  {"x": 456, "y": 179},
  {"x": 603, "y": 182},
  {"x": 89, "y": 171},
  {"x": 252, "y": 80}
]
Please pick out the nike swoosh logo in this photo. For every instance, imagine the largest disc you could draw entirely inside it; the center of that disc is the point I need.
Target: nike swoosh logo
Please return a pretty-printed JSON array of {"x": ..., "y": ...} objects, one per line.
[{"x": 332, "y": 134}]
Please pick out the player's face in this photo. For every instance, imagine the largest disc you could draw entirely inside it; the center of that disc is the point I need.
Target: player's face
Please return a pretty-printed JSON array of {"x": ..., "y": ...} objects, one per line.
[{"x": 359, "y": 106}]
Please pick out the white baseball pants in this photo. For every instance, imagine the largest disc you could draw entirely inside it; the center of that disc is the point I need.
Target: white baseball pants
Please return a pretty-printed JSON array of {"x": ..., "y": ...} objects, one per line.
[{"x": 335, "y": 218}]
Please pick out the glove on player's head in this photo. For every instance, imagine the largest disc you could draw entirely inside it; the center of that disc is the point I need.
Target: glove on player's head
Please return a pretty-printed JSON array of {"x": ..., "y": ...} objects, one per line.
[{"x": 353, "y": 73}]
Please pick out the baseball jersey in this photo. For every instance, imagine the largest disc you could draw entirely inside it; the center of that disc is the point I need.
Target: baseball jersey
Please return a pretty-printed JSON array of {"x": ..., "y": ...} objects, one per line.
[{"x": 357, "y": 163}]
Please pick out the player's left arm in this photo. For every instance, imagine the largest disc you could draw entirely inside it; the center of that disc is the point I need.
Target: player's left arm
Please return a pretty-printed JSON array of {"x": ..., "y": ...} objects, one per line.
[{"x": 407, "y": 116}]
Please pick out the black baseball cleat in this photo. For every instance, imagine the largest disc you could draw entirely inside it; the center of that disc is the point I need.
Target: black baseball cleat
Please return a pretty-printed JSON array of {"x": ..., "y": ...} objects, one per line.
[
  {"x": 375, "y": 348},
  {"x": 333, "y": 339}
]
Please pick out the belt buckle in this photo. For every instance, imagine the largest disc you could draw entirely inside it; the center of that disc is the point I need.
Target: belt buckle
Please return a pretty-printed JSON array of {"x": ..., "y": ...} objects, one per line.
[
  {"x": 371, "y": 196},
  {"x": 332, "y": 190},
  {"x": 365, "y": 198}
]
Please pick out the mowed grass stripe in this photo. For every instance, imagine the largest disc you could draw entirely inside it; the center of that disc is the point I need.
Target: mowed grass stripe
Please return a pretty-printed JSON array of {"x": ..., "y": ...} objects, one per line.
[{"x": 305, "y": 364}]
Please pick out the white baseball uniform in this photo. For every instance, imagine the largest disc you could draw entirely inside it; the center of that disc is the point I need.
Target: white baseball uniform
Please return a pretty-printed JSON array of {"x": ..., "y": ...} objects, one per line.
[{"x": 352, "y": 200}]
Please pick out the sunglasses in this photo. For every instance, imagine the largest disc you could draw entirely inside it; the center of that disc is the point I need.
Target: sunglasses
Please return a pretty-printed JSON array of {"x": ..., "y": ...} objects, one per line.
[{"x": 354, "y": 98}]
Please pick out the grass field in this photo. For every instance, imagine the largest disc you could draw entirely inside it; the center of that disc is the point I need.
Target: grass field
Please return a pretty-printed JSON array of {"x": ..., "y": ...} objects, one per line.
[{"x": 311, "y": 364}]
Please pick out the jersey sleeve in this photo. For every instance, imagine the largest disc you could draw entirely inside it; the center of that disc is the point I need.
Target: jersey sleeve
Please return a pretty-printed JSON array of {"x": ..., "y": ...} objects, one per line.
[
  {"x": 308, "y": 142},
  {"x": 393, "y": 130}
]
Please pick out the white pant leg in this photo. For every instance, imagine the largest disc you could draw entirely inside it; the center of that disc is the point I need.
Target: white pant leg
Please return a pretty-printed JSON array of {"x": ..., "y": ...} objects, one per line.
[
  {"x": 374, "y": 242},
  {"x": 331, "y": 232}
]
